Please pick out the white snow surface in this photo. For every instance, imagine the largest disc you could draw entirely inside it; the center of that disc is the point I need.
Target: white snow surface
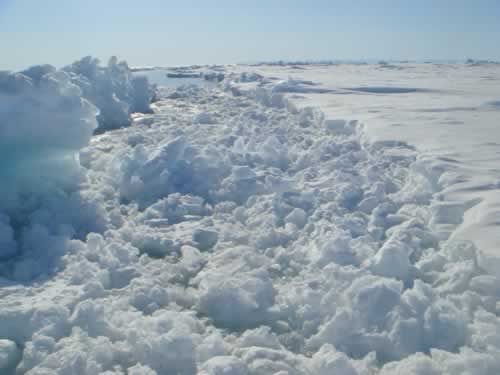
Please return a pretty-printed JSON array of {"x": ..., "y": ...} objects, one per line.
[
  {"x": 449, "y": 112},
  {"x": 236, "y": 231}
]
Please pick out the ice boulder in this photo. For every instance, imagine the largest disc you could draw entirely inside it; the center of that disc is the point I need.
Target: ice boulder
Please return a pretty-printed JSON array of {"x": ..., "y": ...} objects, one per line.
[
  {"x": 374, "y": 297},
  {"x": 205, "y": 239},
  {"x": 205, "y": 118},
  {"x": 235, "y": 291},
  {"x": 140, "y": 370},
  {"x": 224, "y": 365},
  {"x": 42, "y": 116},
  {"x": 9, "y": 355},
  {"x": 392, "y": 260},
  {"x": 44, "y": 122},
  {"x": 336, "y": 249},
  {"x": 329, "y": 361},
  {"x": 236, "y": 302},
  {"x": 143, "y": 94},
  {"x": 113, "y": 89}
]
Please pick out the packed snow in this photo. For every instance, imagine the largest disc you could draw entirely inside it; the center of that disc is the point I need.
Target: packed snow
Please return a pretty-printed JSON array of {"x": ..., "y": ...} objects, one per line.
[{"x": 254, "y": 227}]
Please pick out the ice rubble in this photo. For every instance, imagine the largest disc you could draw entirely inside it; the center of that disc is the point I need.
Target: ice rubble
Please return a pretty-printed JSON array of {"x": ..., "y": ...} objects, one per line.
[
  {"x": 266, "y": 241},
  {"x": 113, "y": 89},
  {"x": 44, "y": 122}
]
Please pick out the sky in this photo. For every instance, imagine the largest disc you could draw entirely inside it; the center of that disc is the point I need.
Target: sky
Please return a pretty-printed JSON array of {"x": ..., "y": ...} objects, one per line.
[{"x": 184, "y": 32}]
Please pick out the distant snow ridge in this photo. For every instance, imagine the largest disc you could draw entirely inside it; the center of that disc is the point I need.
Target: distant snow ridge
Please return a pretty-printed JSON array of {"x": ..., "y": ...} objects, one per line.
[
  {"x": 266, "y": 241},
  {"x": 113, "y": 89}
]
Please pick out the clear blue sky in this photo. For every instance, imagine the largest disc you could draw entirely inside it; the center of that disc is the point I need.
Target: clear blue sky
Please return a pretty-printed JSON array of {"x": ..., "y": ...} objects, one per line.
[{"x": 165, "y": 32}]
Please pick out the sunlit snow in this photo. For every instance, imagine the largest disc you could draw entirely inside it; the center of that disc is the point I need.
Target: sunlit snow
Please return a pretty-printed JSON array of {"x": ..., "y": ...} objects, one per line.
[{"x": 322, "y": 220}]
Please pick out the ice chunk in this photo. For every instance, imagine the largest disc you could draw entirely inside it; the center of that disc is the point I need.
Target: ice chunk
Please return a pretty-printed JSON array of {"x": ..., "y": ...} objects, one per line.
[
  {"x": 113, "y": 89},
  {"x": 10, "y": 355},
  {"x": 205, "y": 239},
  {"x": 415, "y": 365},
  {"x": 224, "y": 365},
  {"x": 298, "y": 217},
  {"x": 205, "y": 118},
  {"x": 374, "y": 297},
  {"x": 392, "y": 260},
  {"x": 262, "y": 337},
  {"x": 44, "y": 122},
  {"x": 46, "y": 117},
  {"x": 139, "y": 369},
  {"x": 143, "y": 94},
  {"x": 336, "y": 249},
  {"x": 329, "y": 361},
  {"x": 233, "y": 301},
  {"x": 243, "y": 173},
  {"x": 339, "y": 126}
]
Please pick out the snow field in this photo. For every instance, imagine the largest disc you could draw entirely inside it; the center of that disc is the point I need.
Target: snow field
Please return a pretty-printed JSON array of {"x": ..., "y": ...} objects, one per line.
[{"x": 230, "y": 233}]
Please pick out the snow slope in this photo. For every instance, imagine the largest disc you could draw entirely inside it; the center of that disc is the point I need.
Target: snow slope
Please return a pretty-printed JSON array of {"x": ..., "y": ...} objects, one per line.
[{"x": 233, "y": 232}]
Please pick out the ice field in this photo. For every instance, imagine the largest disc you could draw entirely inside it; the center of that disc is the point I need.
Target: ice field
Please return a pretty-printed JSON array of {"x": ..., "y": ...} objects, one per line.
[{"x": 279, "y": 219}]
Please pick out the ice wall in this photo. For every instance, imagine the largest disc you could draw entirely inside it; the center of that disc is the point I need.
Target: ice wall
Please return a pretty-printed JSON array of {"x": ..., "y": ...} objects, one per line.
[{"x": 44, "y": 122}]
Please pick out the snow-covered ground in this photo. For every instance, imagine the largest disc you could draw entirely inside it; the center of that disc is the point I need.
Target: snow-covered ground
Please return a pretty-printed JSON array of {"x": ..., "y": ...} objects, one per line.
[
  {"x": 449, "y": 112},
  {"x": 311, "y": 225}
]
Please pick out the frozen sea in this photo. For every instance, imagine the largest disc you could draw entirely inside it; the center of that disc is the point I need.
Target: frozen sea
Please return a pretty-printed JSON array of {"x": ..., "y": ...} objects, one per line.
[
  {"x": 449, "y": 112},
  {"x": 313, "y": 219}
]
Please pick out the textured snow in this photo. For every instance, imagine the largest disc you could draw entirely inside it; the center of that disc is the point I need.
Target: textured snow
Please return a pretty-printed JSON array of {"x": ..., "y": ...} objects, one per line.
[
  {"x": 449, "y": 112},
  {"x": 113, "y": 89},
  {"x": 232, "y": 231}
]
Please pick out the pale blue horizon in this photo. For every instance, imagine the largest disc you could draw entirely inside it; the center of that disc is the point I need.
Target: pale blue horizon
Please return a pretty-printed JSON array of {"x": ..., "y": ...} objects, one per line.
[{"x": 212, "y": 32}]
